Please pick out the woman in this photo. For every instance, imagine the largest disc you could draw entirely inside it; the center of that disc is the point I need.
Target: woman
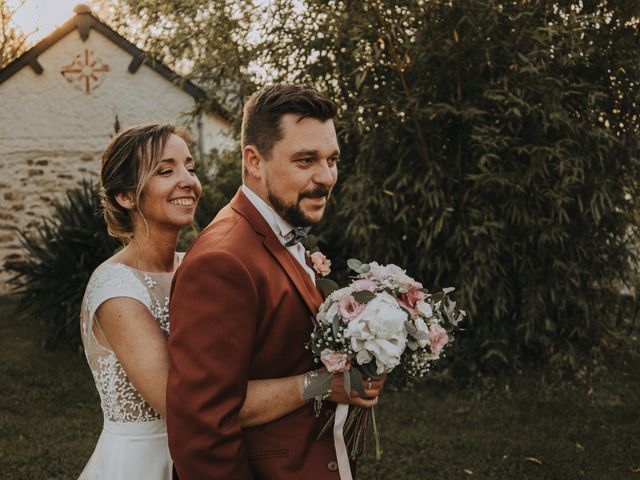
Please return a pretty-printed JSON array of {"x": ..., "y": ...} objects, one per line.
[{"x": 149, "y": 191}]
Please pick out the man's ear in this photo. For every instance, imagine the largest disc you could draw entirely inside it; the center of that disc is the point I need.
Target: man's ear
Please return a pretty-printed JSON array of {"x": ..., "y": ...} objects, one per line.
[
  {"x": 126, "y": 200},
  {"x": 252, "y": 161}
]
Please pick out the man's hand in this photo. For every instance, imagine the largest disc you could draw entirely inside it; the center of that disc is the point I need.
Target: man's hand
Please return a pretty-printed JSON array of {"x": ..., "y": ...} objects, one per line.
[{"x": 372, "y": 389}]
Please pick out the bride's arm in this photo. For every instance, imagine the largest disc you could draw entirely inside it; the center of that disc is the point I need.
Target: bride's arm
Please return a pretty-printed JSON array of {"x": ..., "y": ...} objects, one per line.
[{"x": 126, "y": 326}]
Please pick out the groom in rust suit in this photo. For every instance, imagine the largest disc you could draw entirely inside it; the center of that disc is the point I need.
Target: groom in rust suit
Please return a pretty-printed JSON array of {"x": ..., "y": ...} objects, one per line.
[{"x": 242, "y": 299}]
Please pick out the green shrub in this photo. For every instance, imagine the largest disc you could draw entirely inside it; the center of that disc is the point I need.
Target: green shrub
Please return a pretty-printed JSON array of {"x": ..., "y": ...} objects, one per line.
[{"x": 60, "y": 255}]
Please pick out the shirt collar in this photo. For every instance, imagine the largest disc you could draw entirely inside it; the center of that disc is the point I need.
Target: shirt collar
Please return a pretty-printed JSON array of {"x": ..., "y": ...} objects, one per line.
[{"x": 280, "y": 226}]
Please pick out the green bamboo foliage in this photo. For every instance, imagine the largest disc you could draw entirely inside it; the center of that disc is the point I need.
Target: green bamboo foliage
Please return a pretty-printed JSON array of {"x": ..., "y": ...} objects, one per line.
[{"x": 488, "y": 145}]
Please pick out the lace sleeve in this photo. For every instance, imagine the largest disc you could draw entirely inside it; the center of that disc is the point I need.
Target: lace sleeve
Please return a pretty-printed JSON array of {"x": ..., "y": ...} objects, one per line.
[{"x": 112, "y": 281}]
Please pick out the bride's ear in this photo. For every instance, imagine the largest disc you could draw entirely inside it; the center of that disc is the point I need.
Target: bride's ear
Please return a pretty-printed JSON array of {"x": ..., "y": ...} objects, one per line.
[{"x": 126, "y": 200}]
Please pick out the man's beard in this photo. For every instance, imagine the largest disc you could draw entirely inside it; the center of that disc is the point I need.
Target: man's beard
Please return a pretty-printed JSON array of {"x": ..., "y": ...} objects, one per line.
[{"x": 293, "y": 213}]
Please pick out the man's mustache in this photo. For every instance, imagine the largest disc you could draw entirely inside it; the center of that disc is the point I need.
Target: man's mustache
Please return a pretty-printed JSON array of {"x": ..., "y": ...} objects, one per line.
[{"x": 318, "y": 192}]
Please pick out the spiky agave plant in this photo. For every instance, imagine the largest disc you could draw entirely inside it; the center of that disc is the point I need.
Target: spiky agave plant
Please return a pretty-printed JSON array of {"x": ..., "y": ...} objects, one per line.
[{"x": 60, "y": 255}]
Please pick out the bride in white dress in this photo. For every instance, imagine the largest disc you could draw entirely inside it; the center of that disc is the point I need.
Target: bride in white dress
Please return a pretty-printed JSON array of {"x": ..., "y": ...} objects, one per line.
[{"x": 149, "y": 191}]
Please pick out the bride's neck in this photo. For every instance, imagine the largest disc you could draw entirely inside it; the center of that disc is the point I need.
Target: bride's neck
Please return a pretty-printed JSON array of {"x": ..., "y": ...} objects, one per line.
[{"x": 151, "y": 253}]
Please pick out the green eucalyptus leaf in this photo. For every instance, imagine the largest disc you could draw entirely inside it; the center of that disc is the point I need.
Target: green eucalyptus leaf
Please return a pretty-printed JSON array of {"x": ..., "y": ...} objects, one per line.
[
  {"x": 364, "y": 268},
  {"x": 356, "y": 381},
  {"x": 411, "y": 328},
  {"x": 436, "y": 297},
  {"x": 346, "y": 376},
  {"x": 354, "y": 264},
  {"x": 326, "y": 285},
  {"x": 420, "y": 335},
  {"x": 364, "y": 296},
  {"x": 335, "y": 325},
  {"x": 318, "y": 386}
]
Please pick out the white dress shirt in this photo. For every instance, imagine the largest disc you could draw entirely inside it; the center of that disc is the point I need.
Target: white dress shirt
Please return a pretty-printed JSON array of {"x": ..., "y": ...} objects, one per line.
[{"x": 281, "y": 228}]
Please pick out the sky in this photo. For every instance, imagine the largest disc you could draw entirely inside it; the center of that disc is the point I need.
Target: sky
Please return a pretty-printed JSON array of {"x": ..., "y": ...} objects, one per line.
[{"x": 41, "y": 17}]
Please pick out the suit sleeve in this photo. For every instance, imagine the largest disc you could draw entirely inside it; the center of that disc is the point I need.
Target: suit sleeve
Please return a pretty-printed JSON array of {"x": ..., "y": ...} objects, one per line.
[{"x": 213, "y": 312}]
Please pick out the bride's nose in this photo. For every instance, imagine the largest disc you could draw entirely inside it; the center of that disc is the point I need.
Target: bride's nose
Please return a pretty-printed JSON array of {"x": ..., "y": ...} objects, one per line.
[{"x": 187, "y": 179}]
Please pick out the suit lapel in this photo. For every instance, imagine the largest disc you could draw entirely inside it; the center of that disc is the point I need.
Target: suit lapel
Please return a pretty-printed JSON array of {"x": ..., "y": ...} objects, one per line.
[{"x": 296, "y": 273}]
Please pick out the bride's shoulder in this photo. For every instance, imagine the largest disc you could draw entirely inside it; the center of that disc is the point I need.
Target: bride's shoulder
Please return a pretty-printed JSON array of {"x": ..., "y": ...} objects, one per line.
[
  {"x": 111, "y": 280},
  {"x": 114, "y": 275},
  {"x": 111, "y": 269}
]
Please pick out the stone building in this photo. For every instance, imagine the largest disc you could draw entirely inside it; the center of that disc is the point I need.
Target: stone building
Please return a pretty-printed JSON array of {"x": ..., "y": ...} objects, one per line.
[{"x": 61, "y": 102}]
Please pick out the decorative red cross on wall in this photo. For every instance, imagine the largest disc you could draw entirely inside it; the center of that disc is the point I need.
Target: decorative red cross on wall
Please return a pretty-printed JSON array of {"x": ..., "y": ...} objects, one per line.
[{"x": 86, "y": 72}]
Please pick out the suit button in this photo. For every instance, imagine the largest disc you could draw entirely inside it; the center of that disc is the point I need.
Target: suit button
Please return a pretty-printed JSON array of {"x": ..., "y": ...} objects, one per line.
[
  {"x": 328, "y": 413},
  {"x": 332, "y": 466}
]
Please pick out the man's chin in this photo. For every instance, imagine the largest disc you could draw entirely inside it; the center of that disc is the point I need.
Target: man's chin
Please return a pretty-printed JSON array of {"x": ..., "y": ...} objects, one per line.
[{"x": 313, "y": 217}]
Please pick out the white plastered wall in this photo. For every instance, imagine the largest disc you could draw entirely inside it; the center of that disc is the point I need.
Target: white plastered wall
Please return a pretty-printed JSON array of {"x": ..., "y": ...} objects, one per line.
[{"x": 52, "y": 134}]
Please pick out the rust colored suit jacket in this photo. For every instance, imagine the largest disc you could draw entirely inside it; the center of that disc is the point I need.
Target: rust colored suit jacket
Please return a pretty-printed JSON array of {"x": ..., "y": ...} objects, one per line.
[{"x": 240, "y": 310}]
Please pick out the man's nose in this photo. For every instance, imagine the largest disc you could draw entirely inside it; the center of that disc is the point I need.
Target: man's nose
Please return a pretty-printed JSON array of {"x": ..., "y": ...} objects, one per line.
[{"x": 324, "y": 175}]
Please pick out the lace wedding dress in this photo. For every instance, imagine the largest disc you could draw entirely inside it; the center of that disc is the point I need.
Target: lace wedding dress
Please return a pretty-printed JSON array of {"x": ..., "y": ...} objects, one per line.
[{"x": 133, "y": 443}]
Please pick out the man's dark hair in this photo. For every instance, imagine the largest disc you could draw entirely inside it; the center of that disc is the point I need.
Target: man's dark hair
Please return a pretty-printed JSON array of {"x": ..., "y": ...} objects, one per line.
[{"x": 265, "y": 108}]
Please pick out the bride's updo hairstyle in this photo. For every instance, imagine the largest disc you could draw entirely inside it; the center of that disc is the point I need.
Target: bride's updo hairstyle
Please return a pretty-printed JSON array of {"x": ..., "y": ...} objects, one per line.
[{"x": 128, "y": 162}]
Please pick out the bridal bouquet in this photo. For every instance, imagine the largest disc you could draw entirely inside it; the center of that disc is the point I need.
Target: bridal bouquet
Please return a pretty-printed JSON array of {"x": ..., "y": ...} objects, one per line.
[{"x": 382, "y": 321}]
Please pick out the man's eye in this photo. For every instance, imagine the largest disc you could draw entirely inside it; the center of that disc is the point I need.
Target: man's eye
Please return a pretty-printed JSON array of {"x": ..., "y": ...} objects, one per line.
[
  {"x": 306, "y": 161},
  {"x": 193, "y": 170},
  {"x": 166, "y": 171},
  {"x": 333, "y": 161}
]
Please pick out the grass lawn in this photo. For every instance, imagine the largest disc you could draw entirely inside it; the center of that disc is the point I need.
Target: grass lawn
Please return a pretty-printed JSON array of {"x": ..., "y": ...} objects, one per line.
[{"x": 517, "y": 428}]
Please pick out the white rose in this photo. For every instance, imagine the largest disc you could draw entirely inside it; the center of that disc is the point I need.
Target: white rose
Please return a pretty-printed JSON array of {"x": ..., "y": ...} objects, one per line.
[
  {"x": 380, "y": 272},
  {"x": 379, "y": 332}
]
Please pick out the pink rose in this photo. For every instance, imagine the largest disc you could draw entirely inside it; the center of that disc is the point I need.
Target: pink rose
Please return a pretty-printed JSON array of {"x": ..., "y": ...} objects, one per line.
[
  {"x": 363, "y": 284},
  {"x": 412, "y": 297},
  {"x": 349, "y": 308},
  {"x": 438, "y": 338},
  {"x": 408, "y": 283},
  {"x": 335, "y": 362},
  {"x": 321, "y": 265}
]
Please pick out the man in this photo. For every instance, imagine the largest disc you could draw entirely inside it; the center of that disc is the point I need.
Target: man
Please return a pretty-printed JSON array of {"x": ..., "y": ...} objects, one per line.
[{"x": 242, "y": 299}]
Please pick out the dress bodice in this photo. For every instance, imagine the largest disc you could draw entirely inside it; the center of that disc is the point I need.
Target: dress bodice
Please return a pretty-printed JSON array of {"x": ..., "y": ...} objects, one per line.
[{"x": 120, "y": 400}]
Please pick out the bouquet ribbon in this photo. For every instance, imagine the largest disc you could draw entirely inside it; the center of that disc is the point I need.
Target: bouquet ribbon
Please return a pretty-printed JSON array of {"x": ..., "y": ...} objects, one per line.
[{"x": 342, "y": 411}]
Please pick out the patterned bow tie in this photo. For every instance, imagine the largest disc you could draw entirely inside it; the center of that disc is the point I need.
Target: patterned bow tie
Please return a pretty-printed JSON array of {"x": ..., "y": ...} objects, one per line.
[{"x": 299, "y": 234}]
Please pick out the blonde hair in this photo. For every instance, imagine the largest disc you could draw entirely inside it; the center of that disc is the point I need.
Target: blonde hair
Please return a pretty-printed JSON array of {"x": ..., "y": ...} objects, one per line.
[{"x": 128, "y": 162}]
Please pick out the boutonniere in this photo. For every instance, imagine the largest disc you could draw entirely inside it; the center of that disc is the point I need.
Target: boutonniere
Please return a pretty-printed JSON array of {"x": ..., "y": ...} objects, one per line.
[
  {"x": 321, "y": 264},
  {"x": 317, "y": 260}
]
